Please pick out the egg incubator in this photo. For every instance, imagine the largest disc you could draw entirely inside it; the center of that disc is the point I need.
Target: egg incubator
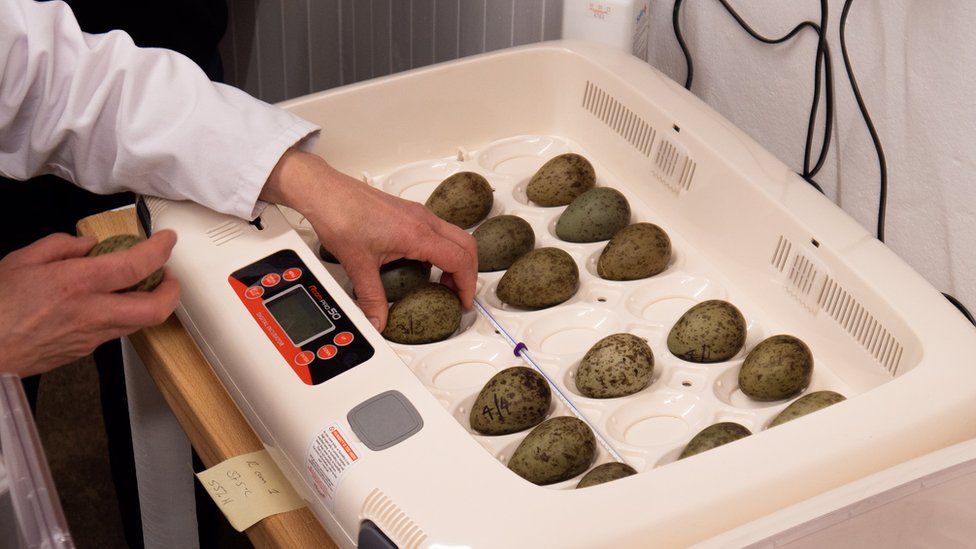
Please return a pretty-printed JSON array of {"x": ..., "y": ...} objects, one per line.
[{"x": 375, "y": 435}]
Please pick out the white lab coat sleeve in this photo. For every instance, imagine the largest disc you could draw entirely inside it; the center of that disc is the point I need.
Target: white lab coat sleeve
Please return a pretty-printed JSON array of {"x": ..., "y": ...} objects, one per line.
[{"x": 108, "y": 116}]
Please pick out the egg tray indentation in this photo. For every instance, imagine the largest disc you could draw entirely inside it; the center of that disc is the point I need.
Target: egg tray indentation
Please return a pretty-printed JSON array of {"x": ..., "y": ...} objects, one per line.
[{"x": 649, "y": 428}]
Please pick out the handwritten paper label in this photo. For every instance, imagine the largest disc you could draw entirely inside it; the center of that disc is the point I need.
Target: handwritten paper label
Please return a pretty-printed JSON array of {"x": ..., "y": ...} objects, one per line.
[
  {"x": 248, "y": 488},
  {"x": 329, "y": 455}
]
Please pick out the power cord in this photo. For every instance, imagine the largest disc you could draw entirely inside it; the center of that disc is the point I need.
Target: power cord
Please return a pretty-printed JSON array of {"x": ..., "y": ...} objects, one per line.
[
  {"x": 823, "y": 72},
  {"x": 882, "y": 164}
]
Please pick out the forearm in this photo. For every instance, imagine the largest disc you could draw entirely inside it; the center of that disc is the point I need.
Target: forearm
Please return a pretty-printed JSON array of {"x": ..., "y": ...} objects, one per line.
[{"x": 109, "y": 116}]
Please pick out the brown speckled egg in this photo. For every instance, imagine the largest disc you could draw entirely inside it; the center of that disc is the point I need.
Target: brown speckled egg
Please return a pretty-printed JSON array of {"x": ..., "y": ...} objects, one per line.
[
  {"x": 121, "y": 242},
  {"x": 617, "y": 365},
  {"x": 714, "y": 436},
  {"x": 513, "y": 400},
  {"x": 594, "y": 216},
  {"x": 463, "y": 199},
  {"x": 541, "y": 278},
  {"x": 401, "y": 276},
  {"x": 807, "y": 404},
  {"x": 636, "y": 251},
  {"x": 558, "y": 449},
  {"x": 428, "y": 313},
  {"x": 779, "y": 367},
  {"x": 501, "y": 240},
  {"x": 605, "y": 473},
  {"x": 560, "y": 180},
  {"x": 712, "y": 331}
]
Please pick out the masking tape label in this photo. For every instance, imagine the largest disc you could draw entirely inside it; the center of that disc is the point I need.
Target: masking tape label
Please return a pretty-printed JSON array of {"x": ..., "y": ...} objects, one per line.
[
  {"x": 248, "y": 488},
  {"x": 330, "y": 454}
]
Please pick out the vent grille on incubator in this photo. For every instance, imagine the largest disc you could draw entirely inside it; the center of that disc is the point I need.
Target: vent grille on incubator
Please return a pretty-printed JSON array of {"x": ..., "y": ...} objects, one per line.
[
  {"x": 393, "y": 521},
  {"x": 619, "y": 118}
]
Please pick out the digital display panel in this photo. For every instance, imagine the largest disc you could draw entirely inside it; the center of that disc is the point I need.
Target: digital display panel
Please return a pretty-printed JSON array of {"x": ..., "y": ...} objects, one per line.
[{"x": 299, "y": 316}]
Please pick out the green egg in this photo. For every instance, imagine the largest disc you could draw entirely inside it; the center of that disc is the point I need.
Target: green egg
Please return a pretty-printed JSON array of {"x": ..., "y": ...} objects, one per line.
[
  {"x": 617, "y": 365},
  {"x": 426, "y": 314},
  {"x": 401, "y": 276},
  {"x": 501, "y": 240},
  {"x": 605, "y": 473},
  {"x": 779, "y": 367},
  {"x": 807, "y": 404},
  {"x": 463, "y": 199},
  {"x": 594, "y": 216},
  {"x": 712, "y": 331},
  {"x": 121, "y": 242},
  {"x": 714, "y": 436},
  {"x": 541, "y": 278},
  {"x": 560, "y": 180},
  {"x": 513, "y": 400},
  {"x": 558, "y": 449},
  {"x": 637, "y": 251}
]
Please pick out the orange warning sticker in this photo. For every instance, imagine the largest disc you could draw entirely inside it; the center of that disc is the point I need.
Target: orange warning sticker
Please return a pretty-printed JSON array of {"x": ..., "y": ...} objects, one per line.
[{"x": 330, "y": 454}]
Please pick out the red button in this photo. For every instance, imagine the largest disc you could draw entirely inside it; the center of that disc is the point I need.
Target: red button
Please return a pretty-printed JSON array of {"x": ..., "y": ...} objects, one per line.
[
  {"x": 327, "y": 351},
  {"x": 292, "y": 274},
  {"x": 343, "y": 338},
  {"x": 270, "y": 280},
  {"x": 304, "y": 358},
  {"x": 254, "y": 292}
]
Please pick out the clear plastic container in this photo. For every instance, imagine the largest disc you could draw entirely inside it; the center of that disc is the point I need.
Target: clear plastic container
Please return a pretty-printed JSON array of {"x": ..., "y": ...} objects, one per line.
[{"x": 30, "y": 513}]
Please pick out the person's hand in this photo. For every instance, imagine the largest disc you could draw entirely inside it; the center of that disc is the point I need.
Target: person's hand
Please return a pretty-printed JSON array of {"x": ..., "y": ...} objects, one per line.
[
  {"x": 56, "y": 305},
  {"x": 366, "y": 228}
]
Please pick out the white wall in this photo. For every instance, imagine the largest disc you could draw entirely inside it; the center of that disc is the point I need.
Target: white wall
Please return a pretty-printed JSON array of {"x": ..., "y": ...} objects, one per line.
[{"x": 916, "y": 65}]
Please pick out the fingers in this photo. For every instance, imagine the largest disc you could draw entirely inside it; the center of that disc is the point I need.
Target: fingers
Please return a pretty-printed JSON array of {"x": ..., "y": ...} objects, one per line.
[
  {"x": 132, "y": 311},
  {"x": 54, "y": 247},
  {"x": 452, "y": 258},
  {"x": 120, "y": 270},
  {"x": 370, "y": 295}
]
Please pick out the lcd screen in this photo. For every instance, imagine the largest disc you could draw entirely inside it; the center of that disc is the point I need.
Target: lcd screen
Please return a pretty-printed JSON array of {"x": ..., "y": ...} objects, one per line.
[{"x": 299, "y": 316}]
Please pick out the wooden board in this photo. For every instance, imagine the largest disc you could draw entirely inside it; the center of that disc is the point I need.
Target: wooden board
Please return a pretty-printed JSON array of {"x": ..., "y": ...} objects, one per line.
[{"x": 215, "y": 427}]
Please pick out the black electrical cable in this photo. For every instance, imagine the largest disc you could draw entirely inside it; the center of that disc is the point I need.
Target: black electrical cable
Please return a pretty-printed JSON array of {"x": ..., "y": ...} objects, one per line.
[
  {"x": 962, "y": 308},
  {"x": 823, "y": 66},
  {"x": 882, "y": 164}
]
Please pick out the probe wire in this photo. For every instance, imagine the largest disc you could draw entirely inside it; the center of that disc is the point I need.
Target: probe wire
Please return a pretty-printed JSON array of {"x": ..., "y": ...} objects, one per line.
[{"x": 522, "y": 351}]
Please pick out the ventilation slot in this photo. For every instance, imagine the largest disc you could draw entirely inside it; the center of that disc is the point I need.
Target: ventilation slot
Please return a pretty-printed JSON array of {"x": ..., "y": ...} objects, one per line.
[
  {"x": 619, "y": 118},
  {"x": 802, "y": 274},
  {"x": 782, "y": 253},
  {"x": 155, "y": 205},
  {"x": 394, "y": 522},
  {"x": 225, "y": 232},
  {"x": 861, "y": 325},
  {"x": 673, "y": 166}
]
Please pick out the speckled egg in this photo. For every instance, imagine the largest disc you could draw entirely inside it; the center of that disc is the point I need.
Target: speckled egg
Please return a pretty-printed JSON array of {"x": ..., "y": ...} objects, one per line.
[
  {"x": 558, "y": 449},
  {"x": 121, "y": 242},
  {"x": 779, "y": 367},
  {"x": 513, "y": 400},
  {"x": 807, "y": 404},
  {"x": 636, "y": 251},
  {"x": 501, "y": 240},
  {"x": 401, "y": 276},
  {"x": 541, "y": 278},
  {"x": 712, "y": 331},
  {"x": 714, "y": 436},
  {"x": 428, "y": 313},
  {"x": 617, "y": 365},
  {"x": 463, "y": 199},
  {"x": 560, "y": 180},
  {"x": 605, "y": 473},
  {"x": 594, "y": 216}
]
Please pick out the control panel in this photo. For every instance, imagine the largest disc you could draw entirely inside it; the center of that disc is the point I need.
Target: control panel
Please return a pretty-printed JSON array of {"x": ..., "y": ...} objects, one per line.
[{"x": 311, "y": 332}]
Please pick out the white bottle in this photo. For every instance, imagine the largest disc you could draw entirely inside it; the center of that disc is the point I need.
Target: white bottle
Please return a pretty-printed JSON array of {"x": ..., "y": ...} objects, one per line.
[{"x": 622, "y": 24}]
